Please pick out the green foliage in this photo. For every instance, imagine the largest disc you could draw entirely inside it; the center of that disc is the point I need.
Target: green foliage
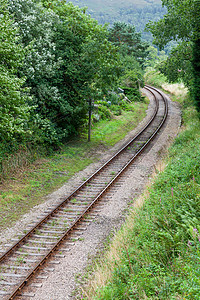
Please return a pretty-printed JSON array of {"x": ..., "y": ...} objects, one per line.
[
  {"x": 178, "y": 66},
  {"x": 154, "y": 77},
  {"x": 196, "y": 74},
  {"x": 133, "y": 54},
  {"x": 131, "y": 78},
  {"x": 14, "y": 111},
  {"x": 154, "y": 56},
  {"x": 131, "y": 81},
  {"x": 129, "y": 41},
  {"x": 132, "y": 94},
  {"x": 36, "y": 28},
  {"x": 104, "y": 112},
  {"x": 161, "y": 253},
  {"x": 69, "y": 58},
  {"x": 116, "y": 109},
  {"x": 177, "y": 23},
  {"x": 181, "y": 23}
]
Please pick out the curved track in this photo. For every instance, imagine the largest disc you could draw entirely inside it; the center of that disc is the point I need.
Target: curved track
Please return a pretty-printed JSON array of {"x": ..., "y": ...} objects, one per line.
[{"x": 23, "y": 259}]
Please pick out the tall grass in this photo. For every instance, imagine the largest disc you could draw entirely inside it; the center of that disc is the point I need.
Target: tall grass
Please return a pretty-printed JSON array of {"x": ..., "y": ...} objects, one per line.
[
  {"x": 16, "y": 162},
  {"x": 159, "y": 257}
]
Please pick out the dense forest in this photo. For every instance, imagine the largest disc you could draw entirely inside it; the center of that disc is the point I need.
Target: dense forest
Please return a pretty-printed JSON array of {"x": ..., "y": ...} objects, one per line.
[{"x": 54, "y": 61}]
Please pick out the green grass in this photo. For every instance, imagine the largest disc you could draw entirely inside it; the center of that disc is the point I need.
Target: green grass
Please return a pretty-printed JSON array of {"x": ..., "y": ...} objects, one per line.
[
  {"x": 24, "y": 190},
  {"x": 161, "y": 251},
  {"x": 109, "y": 132}
]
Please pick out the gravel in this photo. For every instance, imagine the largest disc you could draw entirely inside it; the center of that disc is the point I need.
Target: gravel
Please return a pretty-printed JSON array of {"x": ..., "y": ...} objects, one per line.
[{"x": 62, "y": 282}]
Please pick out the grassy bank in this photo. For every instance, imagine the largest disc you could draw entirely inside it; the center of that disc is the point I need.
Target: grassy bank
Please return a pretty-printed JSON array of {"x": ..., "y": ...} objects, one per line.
[
  {"x": 156, "y": 254},
  {"x": 29, "y": 185}
]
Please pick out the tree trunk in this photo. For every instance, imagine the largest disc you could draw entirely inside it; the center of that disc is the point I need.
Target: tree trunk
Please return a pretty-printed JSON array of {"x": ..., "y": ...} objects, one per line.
[{"x": 89, "y": 122}]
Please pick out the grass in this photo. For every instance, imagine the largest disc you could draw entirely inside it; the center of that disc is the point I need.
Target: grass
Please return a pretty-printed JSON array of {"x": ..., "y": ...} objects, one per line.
[
  {"x": 27, "y": 188},
  {"x": 109, "y": 132},
  {"x": 156, "y": 254}
]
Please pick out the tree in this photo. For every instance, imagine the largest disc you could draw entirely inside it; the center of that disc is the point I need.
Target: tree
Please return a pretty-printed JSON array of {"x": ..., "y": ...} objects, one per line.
[
  {"x": 36, "y": 31},
  {"x": 181, "y": 23},
  {"x": 133, "y": 53},
  {"x": 69, "y": 58},
  {"x": 89, "y": 60},
  {"x": 129, "y": 41},
  {"x": 178, "y": 65},
  {"x": 154, "y": 56},
  {"x": 14, "y": 111}
]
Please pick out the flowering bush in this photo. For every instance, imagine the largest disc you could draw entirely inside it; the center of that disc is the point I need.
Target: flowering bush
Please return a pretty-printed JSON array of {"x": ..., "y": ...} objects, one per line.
[{"x": 14, "y": 110}]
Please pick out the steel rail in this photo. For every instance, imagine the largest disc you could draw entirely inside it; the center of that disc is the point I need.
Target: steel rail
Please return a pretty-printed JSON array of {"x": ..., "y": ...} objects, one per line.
[
  {"x": 13, "y": 247},
  {"x": 38, "y": 265}
]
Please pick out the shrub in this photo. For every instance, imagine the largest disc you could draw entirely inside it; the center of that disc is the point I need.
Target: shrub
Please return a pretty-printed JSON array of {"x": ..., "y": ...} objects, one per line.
[
  {"x": 116, "y": 110},
  {"x": 104, "y": 112}
]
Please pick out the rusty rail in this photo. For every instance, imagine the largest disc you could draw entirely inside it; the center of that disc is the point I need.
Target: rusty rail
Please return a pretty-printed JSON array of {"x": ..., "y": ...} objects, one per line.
[{"x": 39, "y": 264}]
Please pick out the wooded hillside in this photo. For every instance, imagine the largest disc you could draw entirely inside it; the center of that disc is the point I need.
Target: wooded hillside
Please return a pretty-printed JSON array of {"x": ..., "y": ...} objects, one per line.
[{"x": 134, "y": 12}]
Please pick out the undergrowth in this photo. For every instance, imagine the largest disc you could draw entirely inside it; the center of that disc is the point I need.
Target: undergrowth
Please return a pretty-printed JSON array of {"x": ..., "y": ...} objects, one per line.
[
  {"x": 154, "y": 77},
  {"x": 160, "y": 256},
  {"x": 25, "y": 188}
]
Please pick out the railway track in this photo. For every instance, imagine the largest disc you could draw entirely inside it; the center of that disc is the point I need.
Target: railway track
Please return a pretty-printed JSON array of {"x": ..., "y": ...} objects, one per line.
[{"x": 22, "y": 260}]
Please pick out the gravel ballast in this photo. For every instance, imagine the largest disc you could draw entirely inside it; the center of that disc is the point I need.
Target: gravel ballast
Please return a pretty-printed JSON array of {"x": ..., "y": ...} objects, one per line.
[{"x": 61, "y": 283}]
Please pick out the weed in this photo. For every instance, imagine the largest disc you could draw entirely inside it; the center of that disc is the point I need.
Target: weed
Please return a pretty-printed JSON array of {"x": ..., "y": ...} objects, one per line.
[
  {"x": 81, "y": 239},
  {"x": 67, "y": 210},
  {"x": 53, "y": 223},
  {"x": 74, "y": 200},
  {"x": 20, "y": 260},
  {"x": 160, "y": 259}
]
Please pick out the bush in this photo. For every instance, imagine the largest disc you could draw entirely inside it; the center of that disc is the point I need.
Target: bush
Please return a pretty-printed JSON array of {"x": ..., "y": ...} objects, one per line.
[
  {"x": 104, "y": 112},
  {"x": 116, "y": 110},
  {"x": 154, "y": 77},
  {"x": 132, "y": 94},
  {"x": 114, "y": 98}
]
